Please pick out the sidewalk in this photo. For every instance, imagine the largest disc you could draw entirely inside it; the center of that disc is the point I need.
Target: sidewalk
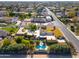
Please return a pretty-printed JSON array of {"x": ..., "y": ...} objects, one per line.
[
  {"x": 75, "y": 56},
  {"x": 40, "y": 56}
]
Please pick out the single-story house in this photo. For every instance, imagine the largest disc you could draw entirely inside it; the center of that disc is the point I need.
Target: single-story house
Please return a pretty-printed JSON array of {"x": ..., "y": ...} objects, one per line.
[
  {"x": 8, "y": 19},
  {"x": 41, "y": 20},
  {"x": 3, "y": 33}
]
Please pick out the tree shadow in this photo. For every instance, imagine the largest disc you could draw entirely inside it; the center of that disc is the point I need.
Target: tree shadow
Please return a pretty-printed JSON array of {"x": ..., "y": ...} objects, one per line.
[
  {"x": 59, "y": 56},
  {"x": 12, "y": 56}
]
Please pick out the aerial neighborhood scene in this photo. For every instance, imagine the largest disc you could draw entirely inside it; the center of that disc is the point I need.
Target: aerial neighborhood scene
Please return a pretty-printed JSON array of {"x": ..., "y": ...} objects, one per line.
[{"x": 39, "y": 29}]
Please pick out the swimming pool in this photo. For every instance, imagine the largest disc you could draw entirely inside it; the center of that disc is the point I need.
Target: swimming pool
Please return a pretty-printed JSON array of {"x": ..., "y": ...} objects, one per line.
[{"x": 41, "y": 47}]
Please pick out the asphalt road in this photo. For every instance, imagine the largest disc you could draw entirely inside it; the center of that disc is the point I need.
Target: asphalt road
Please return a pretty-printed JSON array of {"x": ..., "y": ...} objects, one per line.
[{"x": 70, "y": 37}]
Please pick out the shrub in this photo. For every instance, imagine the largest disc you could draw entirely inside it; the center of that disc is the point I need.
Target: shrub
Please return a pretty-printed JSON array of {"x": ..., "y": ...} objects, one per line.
[
  {"x": 26, "y": 42},
  {"x": 37, "y": 42},
  {"x": 50, "y": 42},
  {"x": 59, "y": 49},
  {"x": 17, "y": 48},
  {"x": 19, "y": 39},
  {"x": 6, "y": 42},
  {"x": 32, "y": 41}
]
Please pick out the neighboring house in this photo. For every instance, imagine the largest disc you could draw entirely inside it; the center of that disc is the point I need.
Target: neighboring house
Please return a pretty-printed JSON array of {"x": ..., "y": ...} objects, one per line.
[
  {"x": 15, "y": 19},
  {"x": 48, "y": 36},
  {"x": 46, "y": 31},
  {"x": 78, "y": 18},
  {"x": 29, "y": 9},
  {"x": 49, "y": 18},
  {"x": 77, "y": 13},
  {"x": 3, "y": 33},
  {"x": 38, "y": 20},
  {"x": 22, "y": 9},
  {"x": 59, "y": 14},
  {"x": 3, "y": 13},
  {"x": 8, "y": 19},
  {"x": 41, "y": 20},
  {"x": 52, "y": 8},
  {"x": 47, "y": 28}
]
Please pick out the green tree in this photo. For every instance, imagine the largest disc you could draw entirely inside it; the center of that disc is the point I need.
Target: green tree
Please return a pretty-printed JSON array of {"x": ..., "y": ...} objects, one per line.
[
  {"x": 32, "y": 27},
  {"x": 31, "y": 50},
  {"x": 32, "y": 41},
  {"x": 6, "y": 42},
  {"x": 19, "y": 39},
  {"x": 57, "y": 48},
  {"x": 11, "y": 14},
  {"x": 37, "y": 42},
  {"x": 15, "y": 48},
  {"x": 26, "y": 42},
  {"x": 29, "y": 14},
  {"x": 65, "y": 21}
]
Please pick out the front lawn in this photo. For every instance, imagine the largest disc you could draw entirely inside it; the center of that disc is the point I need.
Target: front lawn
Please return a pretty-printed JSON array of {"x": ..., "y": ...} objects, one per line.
[{"x": 10, "y": 29}]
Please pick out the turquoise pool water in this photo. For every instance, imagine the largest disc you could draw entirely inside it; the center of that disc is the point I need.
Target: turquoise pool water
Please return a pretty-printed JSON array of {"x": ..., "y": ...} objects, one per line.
[{"x": 41, "y": 47}]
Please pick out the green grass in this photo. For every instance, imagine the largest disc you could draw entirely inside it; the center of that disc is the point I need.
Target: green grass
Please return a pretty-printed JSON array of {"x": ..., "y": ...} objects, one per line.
[
  {"x": 60, "y": 49},
  {"x": 51, "y": 42},
  {"x": 10, "y": 29}
]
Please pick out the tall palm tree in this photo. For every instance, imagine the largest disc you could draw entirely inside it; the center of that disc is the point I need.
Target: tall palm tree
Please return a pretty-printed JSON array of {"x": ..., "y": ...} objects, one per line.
[{"x": 31, "y": 50}]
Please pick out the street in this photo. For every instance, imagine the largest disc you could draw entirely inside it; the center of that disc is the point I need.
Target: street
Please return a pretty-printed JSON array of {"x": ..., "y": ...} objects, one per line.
[{"x": 65, "y": 31}]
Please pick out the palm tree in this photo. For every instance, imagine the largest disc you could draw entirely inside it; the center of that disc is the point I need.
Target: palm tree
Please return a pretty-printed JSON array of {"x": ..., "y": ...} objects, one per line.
[{"x": 31, "y": 50}]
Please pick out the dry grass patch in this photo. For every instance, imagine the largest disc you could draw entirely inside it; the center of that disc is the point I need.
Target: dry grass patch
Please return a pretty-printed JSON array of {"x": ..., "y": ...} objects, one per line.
[{"x": 57, "y": 32}]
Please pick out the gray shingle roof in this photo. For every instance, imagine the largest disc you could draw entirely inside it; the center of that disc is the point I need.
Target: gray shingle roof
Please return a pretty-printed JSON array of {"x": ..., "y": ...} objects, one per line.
[
  {"x": 3, "y": 33},
  {"x": 40, "y": 20}
]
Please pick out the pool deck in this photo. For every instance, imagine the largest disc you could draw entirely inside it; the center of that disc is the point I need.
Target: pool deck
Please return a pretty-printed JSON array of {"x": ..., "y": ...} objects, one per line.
[
  {"x": 40, "y": 56},
  {"x": 51, "y": 56}
]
